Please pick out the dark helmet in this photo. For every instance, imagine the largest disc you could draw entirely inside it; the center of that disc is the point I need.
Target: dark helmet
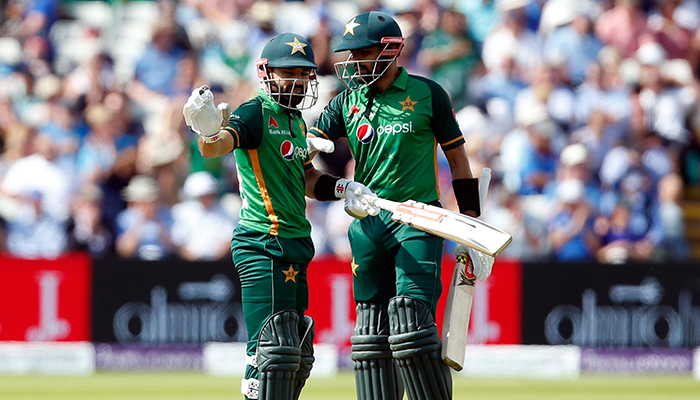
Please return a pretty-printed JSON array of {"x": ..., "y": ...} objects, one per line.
[
  {"x": 288, "y": 50},
  {"x": 368, "y": 29}
]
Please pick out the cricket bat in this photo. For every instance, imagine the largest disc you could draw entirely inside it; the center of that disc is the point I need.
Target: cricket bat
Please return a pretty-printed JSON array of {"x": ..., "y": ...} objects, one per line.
[
  {"x": 458, "y": 308},
  {"x": 447, "y": 224}
]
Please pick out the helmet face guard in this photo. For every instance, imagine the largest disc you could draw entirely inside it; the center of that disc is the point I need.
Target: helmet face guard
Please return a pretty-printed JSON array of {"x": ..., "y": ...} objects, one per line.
[
  {"x": 302, "y": 94},
  {"x": 350, "y": 73}
]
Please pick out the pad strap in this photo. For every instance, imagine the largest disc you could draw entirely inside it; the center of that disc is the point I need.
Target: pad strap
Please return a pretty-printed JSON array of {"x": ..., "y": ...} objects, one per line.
[{"x": 250, "y": 388}]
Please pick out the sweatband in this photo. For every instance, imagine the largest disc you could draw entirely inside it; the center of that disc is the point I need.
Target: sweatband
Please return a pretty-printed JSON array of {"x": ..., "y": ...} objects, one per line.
[
  {"x": 467, "y": 194},
  {"x": 325, "y": 188}
]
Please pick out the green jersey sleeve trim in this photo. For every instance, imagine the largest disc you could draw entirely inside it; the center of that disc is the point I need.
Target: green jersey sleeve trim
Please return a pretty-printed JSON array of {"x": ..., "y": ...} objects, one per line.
[
  {"x": 247, "y": 122},
  {"x": 331, "y": 123},
  {"x": 318, "y": 132},
  {"x": 444, "y": 124},
  {"x": 235, "y": 135}
]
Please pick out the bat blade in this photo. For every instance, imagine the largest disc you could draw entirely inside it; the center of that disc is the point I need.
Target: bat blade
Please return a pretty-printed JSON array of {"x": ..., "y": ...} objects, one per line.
[
  {"x": 457, "y": 227},
  {"x": 457, "y": 313}
]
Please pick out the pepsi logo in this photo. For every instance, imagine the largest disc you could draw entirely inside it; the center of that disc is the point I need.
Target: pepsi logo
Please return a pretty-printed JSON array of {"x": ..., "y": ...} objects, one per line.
[
  {"x": 287, "y": 150},
  {"x": 365, "y": 133}
]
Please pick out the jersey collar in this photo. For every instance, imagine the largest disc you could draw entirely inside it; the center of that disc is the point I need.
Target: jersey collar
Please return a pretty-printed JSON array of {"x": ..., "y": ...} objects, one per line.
[{"x": 401, "y": 81}]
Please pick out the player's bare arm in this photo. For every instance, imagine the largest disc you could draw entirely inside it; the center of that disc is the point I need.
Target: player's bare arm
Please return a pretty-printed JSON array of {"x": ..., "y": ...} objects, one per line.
[{"x": 222, "y": 146}]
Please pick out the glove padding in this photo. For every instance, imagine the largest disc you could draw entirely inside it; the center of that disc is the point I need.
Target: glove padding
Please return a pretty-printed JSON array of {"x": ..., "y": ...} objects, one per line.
[
  {"x": 483, "y": 263},
  {"x": 356, "y": 197},
  {"x": 316, "y": 144},
  {"x": 201, "y": 115}
]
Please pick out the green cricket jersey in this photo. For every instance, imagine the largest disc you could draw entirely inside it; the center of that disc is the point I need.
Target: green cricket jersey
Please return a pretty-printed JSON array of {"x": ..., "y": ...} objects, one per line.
[
  {"x": 271, "y": 154},
  {"x": 394, "y": 141}
]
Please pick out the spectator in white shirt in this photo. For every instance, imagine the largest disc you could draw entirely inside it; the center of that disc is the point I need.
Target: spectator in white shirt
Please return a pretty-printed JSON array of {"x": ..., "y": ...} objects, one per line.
[{"x": 201, "y": 228}]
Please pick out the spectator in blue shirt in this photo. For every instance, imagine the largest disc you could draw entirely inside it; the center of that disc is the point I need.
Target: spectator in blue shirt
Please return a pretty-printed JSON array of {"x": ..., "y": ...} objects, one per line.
[
  {"x": 143, "y": 228},
  {"x": 577, "y": 43},
  {"x": 571, "y": 230}
]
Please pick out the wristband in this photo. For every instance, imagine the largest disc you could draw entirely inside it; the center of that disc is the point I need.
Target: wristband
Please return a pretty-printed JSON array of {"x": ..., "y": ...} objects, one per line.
[
  {"x": 325, "y": 188},
  {"x": 467, "y": 194},
  {"x": 213, "y": 138}
]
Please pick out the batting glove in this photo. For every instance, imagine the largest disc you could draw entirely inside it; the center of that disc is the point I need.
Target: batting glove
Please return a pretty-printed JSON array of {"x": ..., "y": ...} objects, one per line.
[
  {"x": 316, "y": 144},
  {"x": 483, "y": 263},
  {"x": 358, "y": 198},
  {"x": 203, "y": 117}
]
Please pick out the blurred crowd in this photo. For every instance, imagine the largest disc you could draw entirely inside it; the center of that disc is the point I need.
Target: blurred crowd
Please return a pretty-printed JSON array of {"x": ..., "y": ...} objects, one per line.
[{"x": 585, "y": 110}]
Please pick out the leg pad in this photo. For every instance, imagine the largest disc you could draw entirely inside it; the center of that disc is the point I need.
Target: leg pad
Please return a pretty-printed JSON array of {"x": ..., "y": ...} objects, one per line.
[
  {"x": 307, "y": 356},
  {"x": 279, "y": 355},
  {"x": 376, "y": 376},
  {"x": 415, "y": 345}
]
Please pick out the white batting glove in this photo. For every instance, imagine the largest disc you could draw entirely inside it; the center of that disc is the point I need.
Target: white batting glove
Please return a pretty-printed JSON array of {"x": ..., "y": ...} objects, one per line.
[
  {"x": 203, "y": 117},
  {"x": 357, "y": 198},
  {"x": 483, "y": 263},
  {"x": 316, "y": 144}
]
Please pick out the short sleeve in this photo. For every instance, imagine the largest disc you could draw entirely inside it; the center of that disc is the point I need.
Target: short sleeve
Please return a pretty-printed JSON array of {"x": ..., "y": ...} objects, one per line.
[
  {"x": 330, "y": 124},
  {"x": 445, "y": 126},
  {"x": 245, "y": 125}
]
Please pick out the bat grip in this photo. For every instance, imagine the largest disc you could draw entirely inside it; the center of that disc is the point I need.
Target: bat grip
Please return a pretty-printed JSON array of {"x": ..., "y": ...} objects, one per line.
[{"x": 384, "y": 204}]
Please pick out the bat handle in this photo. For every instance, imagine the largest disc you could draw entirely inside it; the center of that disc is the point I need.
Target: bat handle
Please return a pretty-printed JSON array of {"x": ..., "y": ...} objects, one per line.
[
  {"x": 384, "y": 204},
  {"x": 484, "y": 181}
]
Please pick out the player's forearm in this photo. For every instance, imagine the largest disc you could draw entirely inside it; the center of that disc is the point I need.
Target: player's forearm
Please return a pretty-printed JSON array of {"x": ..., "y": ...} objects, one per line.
[
  {"x": 312, "y": 176},
  {"x": 459, "y": 163},
  {"x": 218, "y": 148}
]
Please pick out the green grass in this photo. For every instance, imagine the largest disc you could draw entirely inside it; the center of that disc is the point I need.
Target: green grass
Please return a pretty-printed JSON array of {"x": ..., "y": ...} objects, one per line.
[{"x": 199, "y": 386}]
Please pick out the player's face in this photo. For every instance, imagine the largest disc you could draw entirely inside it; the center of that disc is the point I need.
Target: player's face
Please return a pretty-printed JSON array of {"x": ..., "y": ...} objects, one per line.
[
  {"x": 290, "y": 82},
  {"x": 369, "y": 53}
]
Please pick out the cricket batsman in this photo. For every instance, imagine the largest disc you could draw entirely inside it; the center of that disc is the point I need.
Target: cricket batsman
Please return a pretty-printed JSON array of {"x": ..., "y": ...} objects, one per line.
[
  {"x": 394, "y": 122},
  {"x": 271, "y": 246}
]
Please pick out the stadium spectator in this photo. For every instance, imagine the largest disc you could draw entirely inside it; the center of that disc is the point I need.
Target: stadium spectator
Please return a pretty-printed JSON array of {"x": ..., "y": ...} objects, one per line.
[
  {"x": 449, "y": 55},
  {"x": 574, "y": 41},
  {"x": 512, "y": 41},
  {"x": 143, "y": 228},
  {"x": 571, "y": 229},
  {"x": 201, "y": 228},
  {"x": 157, "y": 66},
  {"x": 86, "y": 229},
  {"x": 34, "y": 233},
  {"x": 574, "y": 163},
  {"x": 624, "y": 26}
]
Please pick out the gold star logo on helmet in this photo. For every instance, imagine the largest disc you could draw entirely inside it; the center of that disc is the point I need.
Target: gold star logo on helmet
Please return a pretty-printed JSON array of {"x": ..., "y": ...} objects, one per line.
[
  {"x": 297, "y": 46},
  {"x": 350, "y": 27}
]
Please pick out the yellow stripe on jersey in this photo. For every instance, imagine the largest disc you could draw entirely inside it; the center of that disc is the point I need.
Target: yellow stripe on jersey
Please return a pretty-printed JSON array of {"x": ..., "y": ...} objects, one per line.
[
  {"x": 451, "y": 141},
  {"x": 235, "y": 135},
  {"x": 255, "y": 161},
  {"x": 316, "y": 130},
  {"x": 308, "y": 164},
  {"x": 435, "y": 160}
]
